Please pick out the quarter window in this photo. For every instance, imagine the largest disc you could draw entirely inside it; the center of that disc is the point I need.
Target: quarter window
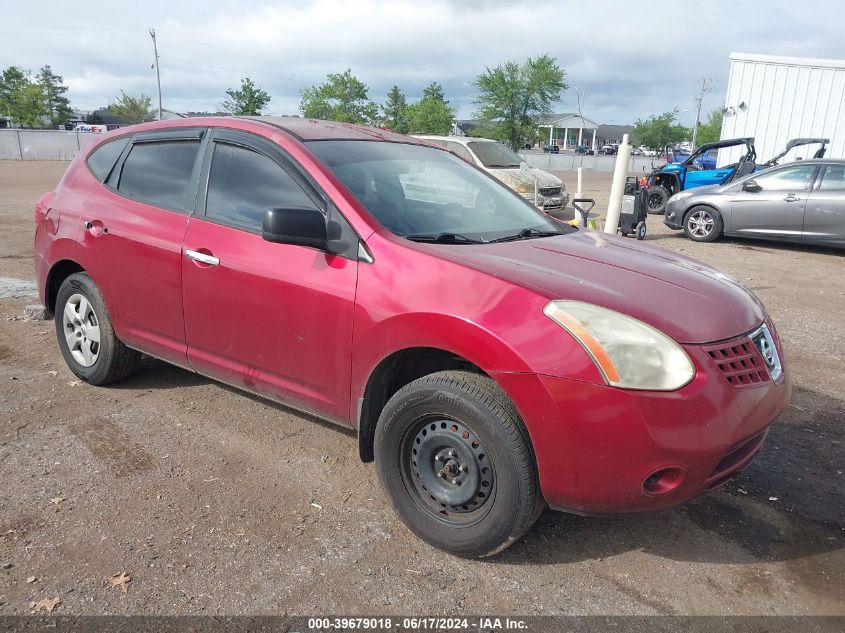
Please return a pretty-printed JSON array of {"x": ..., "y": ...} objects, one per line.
[
  {"x": 243, "y": 184},
  {"x": 789, "y": 179},
  {"x": 833, "y": 178},
  {"x": 159, "y": 173},
  {"x": 104, "y": 157}
]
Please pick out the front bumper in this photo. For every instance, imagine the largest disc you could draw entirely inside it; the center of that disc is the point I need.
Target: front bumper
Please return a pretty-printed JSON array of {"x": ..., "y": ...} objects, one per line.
[
  {"x": 674, "y": 214},
  {"x": 548, "y": 203},
  {"x": 596, "y": 445}
]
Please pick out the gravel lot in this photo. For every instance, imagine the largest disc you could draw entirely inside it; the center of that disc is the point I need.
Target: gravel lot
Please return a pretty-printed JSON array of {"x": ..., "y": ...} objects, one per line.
[{"x": 216, "y": 502}]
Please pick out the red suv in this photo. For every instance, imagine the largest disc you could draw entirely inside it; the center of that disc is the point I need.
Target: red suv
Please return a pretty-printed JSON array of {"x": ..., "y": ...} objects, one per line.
[{"x": 491, "y": 359}]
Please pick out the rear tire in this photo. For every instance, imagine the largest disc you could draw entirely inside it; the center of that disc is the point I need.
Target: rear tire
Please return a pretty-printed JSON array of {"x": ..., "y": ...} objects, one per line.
[
  {"x": 641, "y": 230},
  {"x": 85, "y": 334},
  {"x": 703, "y": 224},
  {"x": 456, "y": 462},
  {"x": 656, "y": 198}
]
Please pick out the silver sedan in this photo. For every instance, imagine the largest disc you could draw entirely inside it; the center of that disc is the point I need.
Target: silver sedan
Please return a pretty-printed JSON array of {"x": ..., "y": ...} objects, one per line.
[{"x": 802, "y": 201}]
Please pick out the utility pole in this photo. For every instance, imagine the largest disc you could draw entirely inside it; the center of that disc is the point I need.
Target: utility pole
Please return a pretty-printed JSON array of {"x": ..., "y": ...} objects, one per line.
[
  {"x": 703, "y": 87},
  {"x": 158, "y": 76}
]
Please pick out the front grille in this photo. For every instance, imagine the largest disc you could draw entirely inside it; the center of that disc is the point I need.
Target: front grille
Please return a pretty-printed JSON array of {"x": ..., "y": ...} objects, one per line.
[
  {"x": 739, "y": 361},
  {"x": 549, "y": 191}
]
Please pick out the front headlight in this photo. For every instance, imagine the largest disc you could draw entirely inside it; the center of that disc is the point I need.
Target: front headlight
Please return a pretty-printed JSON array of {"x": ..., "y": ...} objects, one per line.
[
  {"x": 628, "y": 353},
  {"x": 680, "y": 196}
]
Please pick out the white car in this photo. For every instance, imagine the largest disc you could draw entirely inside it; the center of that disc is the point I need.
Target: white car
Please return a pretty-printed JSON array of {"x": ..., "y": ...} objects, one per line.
[
  {"x": 507, "y": 166},
  {"x": 648, "y": 152}
]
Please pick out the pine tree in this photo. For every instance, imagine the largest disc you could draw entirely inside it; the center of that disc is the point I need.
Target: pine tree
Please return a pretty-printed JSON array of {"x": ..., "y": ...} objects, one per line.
[
  {"x": 394, "y": 111},
  {"x": 56, "y": 104}
]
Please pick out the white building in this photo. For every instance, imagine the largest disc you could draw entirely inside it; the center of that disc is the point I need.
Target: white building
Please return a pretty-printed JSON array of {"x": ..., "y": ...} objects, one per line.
[{"x": 775, "y": 99}]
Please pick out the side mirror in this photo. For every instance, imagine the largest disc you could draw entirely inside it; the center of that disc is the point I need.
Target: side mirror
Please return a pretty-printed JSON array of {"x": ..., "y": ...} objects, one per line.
[
  {"x": 301, "y": 226},
  {"x": 751, "y": 185}
]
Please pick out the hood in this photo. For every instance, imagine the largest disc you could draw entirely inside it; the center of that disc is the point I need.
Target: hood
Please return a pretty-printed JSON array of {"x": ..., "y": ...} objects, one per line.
[
  {"x": 688, "y": 300},
  {"x": 521, "y": 179},
  {"x": 709, "y": 189}
]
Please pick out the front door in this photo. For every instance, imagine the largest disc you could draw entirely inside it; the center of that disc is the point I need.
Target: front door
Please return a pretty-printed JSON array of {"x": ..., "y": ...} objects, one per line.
[
  {"x": 824, "y": 217},
  {"x": 776, "y": 207},
  {"x": 275, "y": 319}
]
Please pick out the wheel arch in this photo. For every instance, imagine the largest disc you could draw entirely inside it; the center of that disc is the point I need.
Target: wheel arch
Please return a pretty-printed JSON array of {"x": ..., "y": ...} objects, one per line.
[
  {"x": 394, "y": 372},
  {"x": 59, "y": 271}
]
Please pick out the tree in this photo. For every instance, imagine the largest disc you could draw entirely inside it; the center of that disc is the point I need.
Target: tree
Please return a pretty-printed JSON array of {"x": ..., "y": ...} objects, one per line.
[
  {"x": 20, "y": 98},
  {"x": 710, "y": 130},
  {"x": 512, "y": 96},
  {"x": 132, "y": 109},
  {"x": 434, "y": 91},
  {"x": 343, "y": 97},
  {"x": 659, "y": 131},
  {"x": 55, "y": 103},
  {"x": 430, "y": 116},
  {"x": 395, "y": 111},
  {"x": 249, "y": 100}
]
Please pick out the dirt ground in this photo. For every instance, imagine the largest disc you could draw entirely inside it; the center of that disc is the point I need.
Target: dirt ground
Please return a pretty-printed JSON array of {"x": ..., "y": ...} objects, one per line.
[{"x": 216, "y": 502}]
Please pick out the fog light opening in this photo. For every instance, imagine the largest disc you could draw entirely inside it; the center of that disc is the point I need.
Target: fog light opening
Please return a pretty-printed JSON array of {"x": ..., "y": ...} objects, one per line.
[{"x": 663, "y": 481}]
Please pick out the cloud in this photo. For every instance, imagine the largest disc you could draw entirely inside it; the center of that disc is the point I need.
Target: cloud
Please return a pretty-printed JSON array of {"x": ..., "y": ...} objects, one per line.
[{"x": 628, "y": 63}]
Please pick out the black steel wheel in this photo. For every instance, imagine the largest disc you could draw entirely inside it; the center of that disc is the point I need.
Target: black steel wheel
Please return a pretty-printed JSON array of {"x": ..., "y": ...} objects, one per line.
[
  {"x": 456, "y": 462},
  {"x": 641, "y": 230},
  {"x": 450, "y": 470}
]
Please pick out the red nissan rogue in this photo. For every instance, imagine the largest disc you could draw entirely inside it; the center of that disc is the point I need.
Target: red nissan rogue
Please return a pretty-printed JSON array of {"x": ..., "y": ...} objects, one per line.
[{"x": 491, "y": 359}]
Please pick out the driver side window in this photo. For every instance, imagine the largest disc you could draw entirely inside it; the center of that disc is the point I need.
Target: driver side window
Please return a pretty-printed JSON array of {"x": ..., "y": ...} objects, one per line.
[
  {"x": 243, "y": 184},
  {"x": 793, "y": 178}
]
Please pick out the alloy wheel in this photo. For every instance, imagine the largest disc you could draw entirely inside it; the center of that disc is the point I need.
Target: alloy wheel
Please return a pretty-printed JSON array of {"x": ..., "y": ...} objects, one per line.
[{"x": 700, "y": 223}]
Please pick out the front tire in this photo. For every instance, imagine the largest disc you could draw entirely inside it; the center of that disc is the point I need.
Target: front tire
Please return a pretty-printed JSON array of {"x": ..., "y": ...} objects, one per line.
[
  {"x": 703, "y": 224},
  {"x": 85, "y": 334},
  {"x": 456, "y": 462},
  {"x": 656, "y": 198}
]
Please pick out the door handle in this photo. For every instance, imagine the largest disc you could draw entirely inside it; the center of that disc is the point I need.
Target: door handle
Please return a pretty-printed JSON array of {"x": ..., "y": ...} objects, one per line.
[
  {"x": 203, "y": 258},
  {"x": 791, "y": 198}
]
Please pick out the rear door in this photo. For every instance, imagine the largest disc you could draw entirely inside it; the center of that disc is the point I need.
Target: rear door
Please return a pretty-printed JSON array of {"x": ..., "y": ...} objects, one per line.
[
  {"x": 824, "y": 217},
  {"x": 138, "y": 226},
  {"x": 272, "y": 318},
  {"x": 776, "y": 208}
]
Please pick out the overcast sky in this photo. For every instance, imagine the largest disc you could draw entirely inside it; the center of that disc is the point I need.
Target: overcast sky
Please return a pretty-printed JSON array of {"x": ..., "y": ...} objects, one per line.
[{"x": 629, "y": 59}]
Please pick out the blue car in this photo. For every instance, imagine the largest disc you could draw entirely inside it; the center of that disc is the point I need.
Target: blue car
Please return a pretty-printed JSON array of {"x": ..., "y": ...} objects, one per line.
[{"x": 698, "y": 170}]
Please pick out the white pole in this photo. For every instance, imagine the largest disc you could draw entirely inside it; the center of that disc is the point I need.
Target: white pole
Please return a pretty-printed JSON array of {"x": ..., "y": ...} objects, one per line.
[
  {"x": 578, "y": 194},
  {"x": 594, "y": 139},
  {"x": 617, "y": 188}
]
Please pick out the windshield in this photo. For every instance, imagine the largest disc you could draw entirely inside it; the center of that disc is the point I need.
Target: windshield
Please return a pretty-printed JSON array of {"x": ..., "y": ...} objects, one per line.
[
  {"x": 495, "y": 154},
  {"x": 429, "y": 194}
]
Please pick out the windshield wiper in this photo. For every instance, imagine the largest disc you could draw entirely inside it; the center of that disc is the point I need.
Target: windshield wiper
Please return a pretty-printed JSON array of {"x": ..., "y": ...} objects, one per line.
[
  {"x": 526, "y": 234},
  {"x": 495, "y": 166},
  {"x": 444, "y": 238}
]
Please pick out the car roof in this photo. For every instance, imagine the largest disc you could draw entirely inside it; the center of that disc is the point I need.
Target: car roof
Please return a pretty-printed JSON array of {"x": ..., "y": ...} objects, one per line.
[
  {"x": 463, "y": 140},
  {"x": 318, "y": 130},
  {"x": 300, "y": 128}
]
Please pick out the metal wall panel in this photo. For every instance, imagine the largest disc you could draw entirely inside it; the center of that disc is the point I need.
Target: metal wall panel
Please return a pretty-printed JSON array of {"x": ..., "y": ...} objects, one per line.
[{"x": 775, "y": 99}]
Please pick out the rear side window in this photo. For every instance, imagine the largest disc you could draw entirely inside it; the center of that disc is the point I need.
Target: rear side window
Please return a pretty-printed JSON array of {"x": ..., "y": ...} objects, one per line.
[
  {"x": 159, "y": 173},
  {"x": 103, "y": 158},
  {"x": 243, "y": 184}
]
